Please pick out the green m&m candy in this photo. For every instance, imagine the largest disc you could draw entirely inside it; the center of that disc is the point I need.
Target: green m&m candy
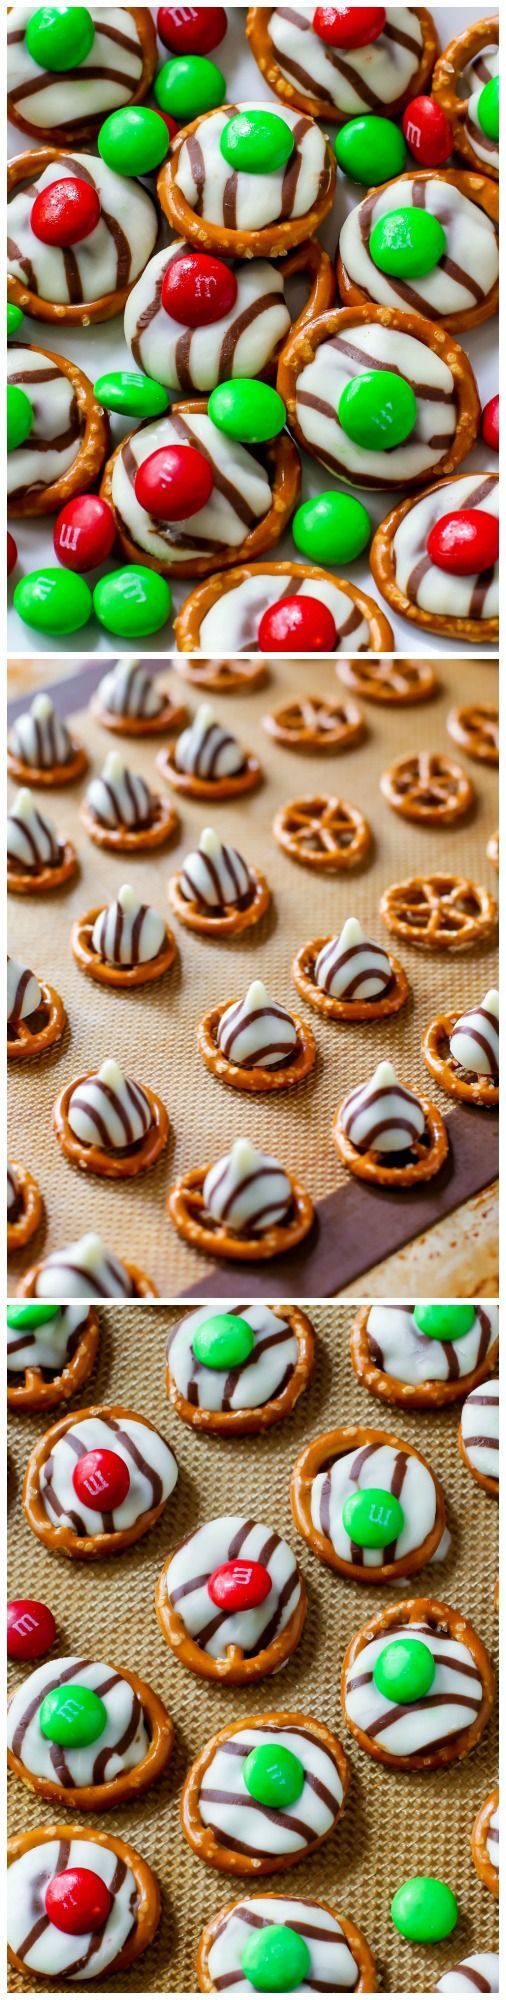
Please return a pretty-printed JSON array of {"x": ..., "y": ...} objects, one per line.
[
  {"x": 273, "y": 1775},
  {"x": 132, "y": 602},
  {"x": 19, "y": 416},
  {"x": 53, "y": 600},
  {"x": 188, "y": 86},
  {"x": 15, "y": 319},
  {"x": 59, "y": 38},
  {"x": 488, "y": 108},
  {"x": 251, "y": 412},
  {"x": 257, "y": 142},
  {"x": 73, "y": 1716},
  {"x": 276, "y": 1960},
  {"x": 30, "y": 1315},
  {"x": 133, "y": 141},
  {"x": 131, "y": 395},
  {"x": 407, "y": 243},
  {"x": 424, "y": 1910},
  {"x": 333, "y": 528},
  {"x": 444, "y": 1322},
  {"x": 370, "y": 149},
  {"x": 377, "y": 410},
  {"x": 373, "y": 1518},
  {"x": 404, "y": 1671},
  {"x": 224, "y": 1341}
]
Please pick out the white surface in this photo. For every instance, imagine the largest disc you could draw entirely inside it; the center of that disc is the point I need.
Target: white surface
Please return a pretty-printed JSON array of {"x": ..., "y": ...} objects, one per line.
[{"x": 104, "y": 347}]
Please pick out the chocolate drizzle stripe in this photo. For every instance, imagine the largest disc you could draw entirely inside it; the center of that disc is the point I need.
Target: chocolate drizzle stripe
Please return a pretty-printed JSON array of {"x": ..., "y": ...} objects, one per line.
[
  {"x": 396, "y": 1714},
  {"x": 289, "y": 1822},
  {"x": 38, "y": 1886}
]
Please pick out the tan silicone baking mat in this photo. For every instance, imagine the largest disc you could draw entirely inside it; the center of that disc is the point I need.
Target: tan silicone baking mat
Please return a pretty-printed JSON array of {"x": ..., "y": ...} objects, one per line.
[
  {"x": 393, "y": 1826},
  {"x": 152, "y": 1032}
]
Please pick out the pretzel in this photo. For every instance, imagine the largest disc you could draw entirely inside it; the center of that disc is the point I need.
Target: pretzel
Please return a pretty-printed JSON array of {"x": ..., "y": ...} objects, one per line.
[
  {"x": 26, "y": 1224},
  {"x": 56, "y": 1535},
  {"x": 236, "y": 1668},
  {"x": 249, "y": 1422},
  {"x": 144, "y": 1287},
  {"x": 171, "y": 716},
  {"x": 259, "y": 1078},
  {"x": 29, "y": 1038},
  {"x": 323, "y": 832},
  {"x": 429, "y": 788},
  {"x": 475, "y": 188},
  {"x": 86, "y": 128},
  {"x": 446, "y": 82},
  {"x": 476, "y": 728},
  {"x": 396, "y": 683},
  {"x": 223, "y": 676},
  {"x": 133, "y": 839},
  {"x": 383, "y": 565},
  {"x": 441, "y": 1619},
  {"x": 274, "y": 240},
  {"x": 186, "y": 1208},
  {"x": 124, "y": 976},
  {"x": 27, "y": 883},
  {"x": 107, "y": 1163},
  {"x": 195, "y": 787},
  {"x": 493, "y": 850},
  {"x": 147, "y": 1904},
  {"x": 216, "y": 1853},
  {"x": 353, "y": 1938},
  {"x": 231, "y": 920},
  {"x": 35, "y": 1393},
  {"x": 92, "y": 443},
  {"x": 128, "y": 1784},
  {"x": 282, "y": 463},
  {"x": 319, "y": 106},
  {"x": 318, "y": 1457},
  {"x": 314, "y": 723},
  {"x": 303, "y": 975},
  {"x": 439, "y": 912},
  {"x": 187, "y": 624},
  {"x": 431, "y": 1395},
  {"x": 426, "y": 1155},
  {"x": 479, "y": 1089},
  {"x": 340, "y": 324},
  {"x": 483, "y": 1865},
  {"x": 55, "y": 774},
  {"x": 28, "y": 167}
]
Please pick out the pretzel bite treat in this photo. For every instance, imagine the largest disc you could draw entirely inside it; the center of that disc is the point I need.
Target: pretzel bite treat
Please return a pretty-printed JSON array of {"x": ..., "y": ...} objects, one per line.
[
  {"x": 120, "y": 811},
  {"x": 424, "y": 1356},
  {"x": 350, "y": 978},
  {"x": 428, "y": 239},
  {"x": 97, "y": 1482},
  {"x": 80, "y": 1903},
  {"x": 192, "y": 320},
  {"x": 237, "y": 1798},
  {"x": 79, "y": 235},
  {"x": 51, "y": 1352},
  {"x": 248, "y": 181},
  {"x": 417, "y": 1686},
  {"x": 231, "y": 1600},
  {"x": 25, "y": 1207},
  {"x": 462, "y": 1052},
  {"x": 86, "y": 1270},
  {"x": 38, "y": 858},
  {"x": 41, "y": 750},
  {"x": 207, "y": 762},
  {"x": 124, "y": 943},
  {"x": 254, "y": 1044},
  {"x": 216, "y": 892},
  {"x": 338, "y": 62},
  {"x": 36, "y": 1016},
  {"x": 109, "y": 1125},
  {"x": 245, "y": 1206},
  {"x": 86, "y": 1734},
  {"x": 57, "y": 435},
  {"x": 479, "y": 1435},
  {"x": 479, "y": 1972},
  {"x": 130, "y": 701},
  {"x": 436, "y": 558},
  {"x": 191, "y": 497},
  {"x": 368, "y": 1505},
  {"x": 388, "y": 1134},
  {"x": 292, "y": 1941},
  {"x": 237, "y": 1372},
  {"x": 64, "y": 75},
  {"x": 280, "y": 608},
  {"x": 485, "y": 1842},
  {"x": 466, "y": 84}
]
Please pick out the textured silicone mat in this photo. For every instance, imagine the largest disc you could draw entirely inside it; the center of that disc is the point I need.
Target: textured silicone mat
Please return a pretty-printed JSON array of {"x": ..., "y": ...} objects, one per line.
[
  {"x": 152, "y": 1031},
  {"x": 394, "y": 1826}
]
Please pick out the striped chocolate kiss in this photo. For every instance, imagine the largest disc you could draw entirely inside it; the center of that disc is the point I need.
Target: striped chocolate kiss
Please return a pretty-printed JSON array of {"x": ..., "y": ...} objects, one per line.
[
  {"x": 351, "y": 967},
  {"x": 474, "y": 1042},
  {"x": 382, "y": 1115},
  {"x": 257, "y": 1031}
]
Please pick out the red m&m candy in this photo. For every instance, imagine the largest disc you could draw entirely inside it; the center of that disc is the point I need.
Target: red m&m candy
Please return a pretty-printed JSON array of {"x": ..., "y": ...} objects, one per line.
[
  {"x": 78, "y": 1901},
  {"x": 12, "y": 553},
  {"x": 349, "y": 27},
  {"x": 198, "y": 289},
  {"x": 297, "y": 625},
  {"x": 101, "y": 1480},
  {"x": 239, "y": 1586},
  {"x": 465, "y": 543},
  {"x": 84, "y": 532},
  {"x": 174, "y": 483},
  {"x": 31, "y": 1629},
  {"x": 427, "y": 132},
  {"x": 191, "y": 31},
  {"x": 65, "y": 212},
  {"x": 490, "y": 423}
]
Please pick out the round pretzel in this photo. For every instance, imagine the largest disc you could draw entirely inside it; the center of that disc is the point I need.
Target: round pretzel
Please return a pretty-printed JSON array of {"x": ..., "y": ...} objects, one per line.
[
  {"x": 446, "y": 81},
  {"x": 476, "y": 729},
  {"x": 383, "y": 566},
  {"x": 273, "y": 240},
  {"x": 85, "y": 128},
  {"x": 314, "y": 723},
  {"x": 48, "y": 777},
  {"x": 303, "y": 975},
  {"x": 353, "y": 1938},
  {"x": 237, "y": 1668},
  {"x": 284, "y": 469},
  {"x": 439, "y": 912},
  {"x": 323, "y": 832},
  {"x": 108, "y": 1163},
  {"x": 147, "y": 1902},
  {"x": 188, "y": 622},
  {"x": 125, "y": 976},
  {"x": 249, "y": 1422},
  {"x": 35, "y": 1393},
  {"x": 164, "y": 822},
  {"x": 28, "y": 1221},
  {"x": 227, "y": 922},
  {"x": 128, "y": 1784},
  {"x": 319, "y": 106},
  {"x": 428, "y": 787},
  {"x": 235, "y": 676},
  {"x": 187, "y": 1210},
  {"x": 431, "y": 1395},
  {"x": 216, "y": 1852},
  {"x": 471, "y": 1089},
  {"x": 29, "y": 1038},
  {"x": 25, "y": 168},
  {"x": 86, "y": 464},
  {"x": 441, "y": 1618},
  {"x": 195, "y": 787},
  {"x": 398, "y": 683},
  {"x": 476, "y": 188},
  {"x": 318, "y": 1457},
  {"x": 57, "y": 1535},
  {"x": 426, "y": 1155},
  {"x": 483, "y": 1865},
  {"x": 25, "y": 882},
  {"x": 258, "y": 1077}
]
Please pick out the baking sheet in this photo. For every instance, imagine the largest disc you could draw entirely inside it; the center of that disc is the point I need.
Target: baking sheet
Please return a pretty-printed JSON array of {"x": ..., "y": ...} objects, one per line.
[
  {"x": 393, "y": 1826},
  {"x": 105, "y": 348},
  {"x": 151, "y": 1032}
]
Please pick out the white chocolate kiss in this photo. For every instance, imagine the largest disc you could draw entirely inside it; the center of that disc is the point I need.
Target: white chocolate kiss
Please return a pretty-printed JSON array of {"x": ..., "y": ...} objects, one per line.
[
  {"x": 382, "y": 1115},
  {"x": 338, "y": 361},
  {"x": 480, "y": 1428},
  {"x": 478, "y": 1973},
  {"x": 240, "y": 343},
  {"x": 398, "y": 1348},
  {"x": 386, "y": 66},
  {"x": 472, "y": 81},
  {"x": 227, "y": 1806},
  {"x": 422, "y": 1724},
  {"x": 85, "y": 1270},
  {"x": 391, "y": 1471},
  {"x": 351, "y": 967},
  {"x": 23, "y": 992},
  {"x": 232, "y": 623},
  {"x": 120, "y": 797},
  {"x": 54, "y": 1953},
  {"x": 64, "y": 98},
  {"x": 247, "y": 1190},
  {"x": 122, "y": 1743},
  {"x": 421, "y": 580},
  {"x": 57, "y": 427},
  {"x": 474, "y": 1041},
  {"x": 128, "y": 932},
  {"x": 109, "y": 1110},
  {"x": 151, "y": 1467},
  {"x": 48, "y": 1346},
  {"x": 215, "y": 875},
  {"x": 40, "y": 737},
  {"x": 332, "y": 1969},
  {"x": 129, "y": 690},
  {"x": 233, "y": 1537},
  {"x": 241, "y": 494},
  {"x": 463, "y": 278},
  {"x": 257, "y": 1030},
  {"x": 205, "y": 750},
  {"x": 105, "y": 261},
  {"x": 252, "y": 201},
  {"x": 250, "y": 1384},
  {"x": 32, "y": 841}
]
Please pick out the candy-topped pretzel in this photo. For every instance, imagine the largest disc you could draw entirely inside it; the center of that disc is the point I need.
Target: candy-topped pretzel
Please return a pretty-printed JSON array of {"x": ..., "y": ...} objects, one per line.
[
  {"x": 336, "y": 64},
  {"x": 231, "y": 1601},
  {"x": 63, "y": 77},
  {"x": 66, "y": 1916},
  {"x": 51, "y": 1353},
  {"x": 466, "y": 70}
]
